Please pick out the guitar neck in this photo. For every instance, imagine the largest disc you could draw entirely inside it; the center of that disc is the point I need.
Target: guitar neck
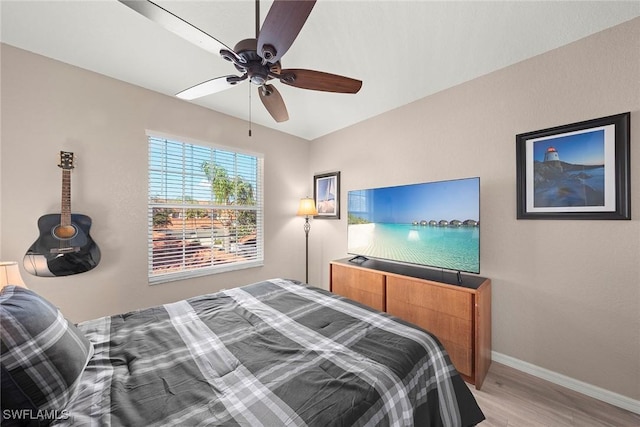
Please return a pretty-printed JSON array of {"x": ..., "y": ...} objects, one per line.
[{"x": 65, "y": 212}]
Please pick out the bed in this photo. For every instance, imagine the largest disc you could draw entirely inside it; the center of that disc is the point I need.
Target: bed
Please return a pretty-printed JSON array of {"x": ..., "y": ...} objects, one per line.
[{"x": 274, "y": 353}]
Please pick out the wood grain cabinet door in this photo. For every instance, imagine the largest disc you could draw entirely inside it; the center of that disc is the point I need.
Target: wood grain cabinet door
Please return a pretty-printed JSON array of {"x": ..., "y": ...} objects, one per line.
[
  {"x": 444, "y": 311},
  {"x": 366, "y": 287}
]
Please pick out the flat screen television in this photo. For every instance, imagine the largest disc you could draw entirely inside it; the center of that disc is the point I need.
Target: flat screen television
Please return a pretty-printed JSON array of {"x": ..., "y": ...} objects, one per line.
[{"x": 433, "y": 224}]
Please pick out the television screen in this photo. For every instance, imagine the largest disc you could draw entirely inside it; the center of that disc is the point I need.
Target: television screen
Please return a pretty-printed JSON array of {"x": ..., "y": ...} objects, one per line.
[{"x": 435, "y": 224}]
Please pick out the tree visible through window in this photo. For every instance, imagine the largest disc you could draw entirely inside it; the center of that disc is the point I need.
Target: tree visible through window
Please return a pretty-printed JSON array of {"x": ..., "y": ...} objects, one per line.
[{"x": 205, "y": 209}]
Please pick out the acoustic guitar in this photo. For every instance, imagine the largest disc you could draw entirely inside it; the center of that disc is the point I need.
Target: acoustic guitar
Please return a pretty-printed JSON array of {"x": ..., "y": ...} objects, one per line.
[{"x": 64, "y": 246}]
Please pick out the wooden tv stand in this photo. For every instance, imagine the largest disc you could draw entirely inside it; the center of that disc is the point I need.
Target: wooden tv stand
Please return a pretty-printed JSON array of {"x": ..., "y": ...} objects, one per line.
[{"x": 459, "y": 314}]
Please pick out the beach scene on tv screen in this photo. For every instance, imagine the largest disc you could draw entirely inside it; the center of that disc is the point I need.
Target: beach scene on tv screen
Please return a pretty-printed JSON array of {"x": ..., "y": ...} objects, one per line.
[{"x": 435, "y": 224}]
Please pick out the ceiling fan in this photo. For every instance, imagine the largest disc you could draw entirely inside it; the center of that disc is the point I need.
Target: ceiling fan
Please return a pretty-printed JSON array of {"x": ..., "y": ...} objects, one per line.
[{"x": 257, "y": 59}]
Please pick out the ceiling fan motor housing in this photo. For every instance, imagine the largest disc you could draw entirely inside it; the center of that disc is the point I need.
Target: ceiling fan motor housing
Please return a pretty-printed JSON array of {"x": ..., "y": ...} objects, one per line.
[{"x": 253, "y": 65}]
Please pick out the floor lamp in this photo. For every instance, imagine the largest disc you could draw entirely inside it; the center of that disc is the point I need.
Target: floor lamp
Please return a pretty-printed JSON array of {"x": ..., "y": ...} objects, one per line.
[{"x": 307, "y": 208}]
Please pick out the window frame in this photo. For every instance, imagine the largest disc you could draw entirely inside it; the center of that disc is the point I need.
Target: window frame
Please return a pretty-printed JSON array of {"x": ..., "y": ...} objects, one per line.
[{"x": 257, "y": 261}]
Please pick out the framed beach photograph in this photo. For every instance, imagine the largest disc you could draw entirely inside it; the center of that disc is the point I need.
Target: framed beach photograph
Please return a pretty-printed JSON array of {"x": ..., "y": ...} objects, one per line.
[
  {"x": 575, "y": 171},
  {"x": 326, "y": 193}
]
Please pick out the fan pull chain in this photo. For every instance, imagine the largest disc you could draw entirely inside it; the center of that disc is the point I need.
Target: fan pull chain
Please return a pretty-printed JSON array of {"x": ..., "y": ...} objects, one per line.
[{"x": 249, "y": 111}]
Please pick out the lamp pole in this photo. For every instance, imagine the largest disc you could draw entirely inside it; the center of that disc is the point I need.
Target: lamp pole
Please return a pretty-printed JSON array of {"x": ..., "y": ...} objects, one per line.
[
  {"x": 307, "y": 208},
  {"x": 307, "y": 227}
]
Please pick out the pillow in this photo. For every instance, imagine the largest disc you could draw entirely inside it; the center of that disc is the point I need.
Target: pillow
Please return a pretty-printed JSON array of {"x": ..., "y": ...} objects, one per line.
[{"x": 42, "y": 355}]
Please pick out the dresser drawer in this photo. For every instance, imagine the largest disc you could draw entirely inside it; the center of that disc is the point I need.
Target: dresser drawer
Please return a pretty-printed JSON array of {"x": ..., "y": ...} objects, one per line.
[
  {"x": 363, "y": 286},
  {"x": 446, "y": 313},
  {"x": 425, "y": 294}
]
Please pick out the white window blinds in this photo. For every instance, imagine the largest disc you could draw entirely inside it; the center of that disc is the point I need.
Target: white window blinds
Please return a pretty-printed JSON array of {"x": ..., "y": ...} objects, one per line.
[{"x": 205, "y": 210}]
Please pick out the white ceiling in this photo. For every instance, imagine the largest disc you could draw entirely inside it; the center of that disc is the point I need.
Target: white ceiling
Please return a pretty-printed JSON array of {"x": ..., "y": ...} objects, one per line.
[{"x": 401, "y": 50}]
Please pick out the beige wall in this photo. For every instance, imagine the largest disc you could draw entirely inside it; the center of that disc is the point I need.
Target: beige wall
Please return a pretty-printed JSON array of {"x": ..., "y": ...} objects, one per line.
[
  {"x": 566, "y": 294},
  {"x": 48, "y": 106}
]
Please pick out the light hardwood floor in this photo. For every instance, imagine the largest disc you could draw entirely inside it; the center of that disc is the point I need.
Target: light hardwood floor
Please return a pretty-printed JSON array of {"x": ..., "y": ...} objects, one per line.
[{"x": 511, "y": 398}]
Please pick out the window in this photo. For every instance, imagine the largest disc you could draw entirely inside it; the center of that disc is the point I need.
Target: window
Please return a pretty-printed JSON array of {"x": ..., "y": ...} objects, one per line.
[{"x": 205, "y": 209}]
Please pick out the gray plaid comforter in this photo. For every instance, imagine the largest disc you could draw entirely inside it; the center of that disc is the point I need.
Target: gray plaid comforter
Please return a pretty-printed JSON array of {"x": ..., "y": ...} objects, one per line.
[{"x": 275, "y": 353}]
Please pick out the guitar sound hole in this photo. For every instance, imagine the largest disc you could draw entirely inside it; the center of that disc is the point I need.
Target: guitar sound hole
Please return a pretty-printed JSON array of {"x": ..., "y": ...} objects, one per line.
[{"x": 64, "y": 232}]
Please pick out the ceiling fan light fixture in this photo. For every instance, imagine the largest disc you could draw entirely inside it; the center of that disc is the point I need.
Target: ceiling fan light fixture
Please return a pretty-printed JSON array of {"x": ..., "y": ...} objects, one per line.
[
  {"x": 258, "y": 73},
  {"x": 258, "y": 80}
]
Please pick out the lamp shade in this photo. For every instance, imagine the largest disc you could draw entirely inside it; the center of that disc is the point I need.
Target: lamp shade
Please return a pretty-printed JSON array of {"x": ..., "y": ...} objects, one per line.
[
  {"x": 10, "y": 274},
  {"x": 307, "y": 207}
]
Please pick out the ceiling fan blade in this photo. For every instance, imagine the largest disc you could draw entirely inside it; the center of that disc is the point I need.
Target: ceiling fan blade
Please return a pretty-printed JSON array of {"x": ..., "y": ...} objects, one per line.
[
  {"x": 210, "y": 86},
  {"x": 318, "y": 80},
  {"x": 281, "y": 27},
  {"x": 176, "y": 25},
  {"x": 272, "y": 101}
]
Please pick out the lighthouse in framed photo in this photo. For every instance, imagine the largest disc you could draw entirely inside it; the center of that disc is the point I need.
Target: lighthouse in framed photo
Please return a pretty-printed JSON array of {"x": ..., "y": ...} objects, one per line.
[{"x": 551, "y": 155}]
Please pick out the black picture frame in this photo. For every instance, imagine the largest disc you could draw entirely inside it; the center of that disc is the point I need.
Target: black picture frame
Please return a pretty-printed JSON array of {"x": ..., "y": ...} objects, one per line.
[
  {"x": 326, "y": 194},
  {"x": 596, "y": 186}
]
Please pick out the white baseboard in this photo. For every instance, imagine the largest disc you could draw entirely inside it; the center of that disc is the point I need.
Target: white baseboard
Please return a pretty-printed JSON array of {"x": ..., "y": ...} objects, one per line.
[{"x": 615, "y": 399}]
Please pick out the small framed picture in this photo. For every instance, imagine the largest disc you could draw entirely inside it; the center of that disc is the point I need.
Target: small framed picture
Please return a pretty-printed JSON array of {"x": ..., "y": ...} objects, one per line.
[
  {"x": 575, "y": 171},
  {"x": 326, "y": 193}
]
